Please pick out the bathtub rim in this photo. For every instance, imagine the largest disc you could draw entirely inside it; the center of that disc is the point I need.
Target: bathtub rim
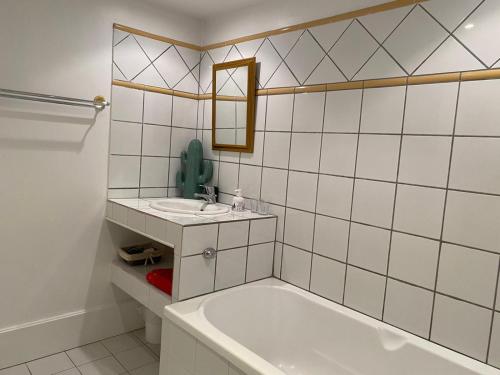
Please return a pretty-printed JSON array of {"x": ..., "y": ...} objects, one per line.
[{"x": 189, "y": 316}]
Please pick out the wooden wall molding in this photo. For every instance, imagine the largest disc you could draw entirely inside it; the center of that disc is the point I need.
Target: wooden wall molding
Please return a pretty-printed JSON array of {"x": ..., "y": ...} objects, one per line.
[
  {"x": 374, "y": 83},
  {"x": 305, "y": 25}
]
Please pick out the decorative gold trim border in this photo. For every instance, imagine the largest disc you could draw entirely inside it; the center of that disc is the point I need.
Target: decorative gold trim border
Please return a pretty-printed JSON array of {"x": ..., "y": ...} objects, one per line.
[
  {"x": 477, "y": 75},
  {"x": 305, "y": 25},
  {"x": 322, "y": 21}
]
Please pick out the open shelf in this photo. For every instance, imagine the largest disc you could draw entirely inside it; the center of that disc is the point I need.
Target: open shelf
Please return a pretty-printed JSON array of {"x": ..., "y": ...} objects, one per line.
[{"x": 132, "y": 280}]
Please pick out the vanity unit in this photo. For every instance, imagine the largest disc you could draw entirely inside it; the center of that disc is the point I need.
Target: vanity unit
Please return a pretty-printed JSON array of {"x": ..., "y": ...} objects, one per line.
[{"x": 208, "y": 252}]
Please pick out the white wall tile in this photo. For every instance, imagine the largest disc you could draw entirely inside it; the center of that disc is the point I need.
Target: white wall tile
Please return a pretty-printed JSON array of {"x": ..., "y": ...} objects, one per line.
[
  {"x": 274, "y": 184},
  {"x": 301, "y": 192},
  {"x": 260, "y": 112},
  {"x": 478, "y": 109},
  {"x": 228, "y": 177},
  {"x": 204, "y": 272},
  {"x": 461, "y": 326},
  {"x": 334, "y": 196},
  {"x": 481, "y": 38},
  {"x": 255, "y": 158},
  {"x": 231, "y": 265},
  {"x": 425, "y": 160},
  {"x": 136, "y": 220},
  {"x": 276, "y": 149},
  {"x": 184, "y": 112},
  {"x": 304, "y": 152},
  {"x": 419, "y": 210},
  {"x": 373, "y": 202},
  {"x": 180, "y": 140},
  {"x": 414, "y": 259},
  {"x": 430, "y": 109},
  {"x": 369, "y": 247},
  {"x": 197, "y": 238},
  {"x": 278, "y": 252},
  {"x": 378, "y": 157},
  {"x": 383, "y": 110},
  {"x": 468, "y": 274},
  {"x": 305, "y": 55},
  {"x": 156, "y": 227},
  {"x": 451, "y": 17},
  {"x": 331, "y": 237},
  {"x": 343, "y": 111},
  {"x": 154, "y": 172},
  {"x": 262, "y": 230},
  {"x": 364, "y": 291},
  {"x": 353, "y": 48},
  {"x": 180, "y": 347},
  {"x": 299, "y": 229},
  {"x": 156, "y": 140},
  {"x": 125, "y": 138},
  {"x": 472, "y": 220},
  {"x": 157, "y": 108},
  {"x": 127, "y": 104},
  {"x": 296, "y": 266},
  {"x": 338, "y": 154},
  {"x": 279, "y": 112},
  {"x": 474, "y": 165},
  {"x": 233, "y": 234},
  {"x": 308, "y": 112},
  {"x": 124, "y": 171},
  {"x": 249, "y": 181},
  {"x": 414, "y": 39},
  {"x": 327, "y": 278},
  {"x": 494, "y": 355},
  {"x": 408, "y": 307},
  {"x": 260, "y": 261}
]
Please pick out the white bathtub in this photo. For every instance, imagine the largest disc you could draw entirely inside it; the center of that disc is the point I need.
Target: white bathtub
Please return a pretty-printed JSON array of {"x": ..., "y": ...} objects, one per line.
[{"x": 270, "y": 327}]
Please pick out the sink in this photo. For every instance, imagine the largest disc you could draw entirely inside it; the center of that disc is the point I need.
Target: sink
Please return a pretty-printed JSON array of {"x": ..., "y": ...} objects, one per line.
[{"x": 188, "y": 206}]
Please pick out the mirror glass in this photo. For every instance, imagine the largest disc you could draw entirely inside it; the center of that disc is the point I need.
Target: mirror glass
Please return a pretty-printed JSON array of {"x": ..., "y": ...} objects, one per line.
[{"x": 233, "y": 95}]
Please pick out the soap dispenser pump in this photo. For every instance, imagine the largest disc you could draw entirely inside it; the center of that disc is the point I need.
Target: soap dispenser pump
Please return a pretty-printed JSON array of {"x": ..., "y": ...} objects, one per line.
[{"x": 238, "y": 201}]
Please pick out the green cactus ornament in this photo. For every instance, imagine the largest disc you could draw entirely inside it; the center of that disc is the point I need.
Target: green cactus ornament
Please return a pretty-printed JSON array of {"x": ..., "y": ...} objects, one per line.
[{"x": 194, "y": 170}]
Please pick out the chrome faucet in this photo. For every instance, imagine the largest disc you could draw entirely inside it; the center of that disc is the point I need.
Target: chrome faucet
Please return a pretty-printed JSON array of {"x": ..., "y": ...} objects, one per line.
[{"x": 209, "y": 196}]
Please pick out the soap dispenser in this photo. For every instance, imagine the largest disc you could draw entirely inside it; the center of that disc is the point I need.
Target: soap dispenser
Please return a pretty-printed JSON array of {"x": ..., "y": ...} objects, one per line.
[{"x": 238, "y": 201}]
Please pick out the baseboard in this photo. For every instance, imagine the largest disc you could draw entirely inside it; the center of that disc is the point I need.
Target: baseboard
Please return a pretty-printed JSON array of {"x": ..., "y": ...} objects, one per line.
[{"x": 38, "y": 339}]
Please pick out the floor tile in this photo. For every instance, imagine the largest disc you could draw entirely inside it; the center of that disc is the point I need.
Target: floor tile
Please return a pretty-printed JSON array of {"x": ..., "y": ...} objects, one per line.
[
  {"x": 50, "y": 365},
  {"x": 105, "y": 366},
  {"x": 16, "y": 370},
  {"x": 151, "y": 369},
  {"x": 135, "y": 358},
  {"x": 121, "y": 343},
  {"x": 88, "y": 353}
]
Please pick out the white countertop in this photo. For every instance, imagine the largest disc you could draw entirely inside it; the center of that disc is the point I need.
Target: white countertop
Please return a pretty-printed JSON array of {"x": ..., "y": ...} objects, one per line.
[{"x": 142, "y": 205}]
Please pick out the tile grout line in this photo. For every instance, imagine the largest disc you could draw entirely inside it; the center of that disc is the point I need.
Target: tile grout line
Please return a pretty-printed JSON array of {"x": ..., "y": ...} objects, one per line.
[
  {"x": 403, "y": 118},
  {"x": 317, "y": 191},
  {"x": 444, "y": 210},
  {"x": 352, "y": 193}
]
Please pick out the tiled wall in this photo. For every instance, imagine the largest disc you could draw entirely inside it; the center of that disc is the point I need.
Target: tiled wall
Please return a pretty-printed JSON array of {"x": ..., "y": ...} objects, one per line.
[
  {"x": 387, "y": 198},
  {"x": 155, "y": 63},
  {"x": 431, "y": 37},
  {"x": 148, "y": 133},
  {"x": 388, "y": 202}
]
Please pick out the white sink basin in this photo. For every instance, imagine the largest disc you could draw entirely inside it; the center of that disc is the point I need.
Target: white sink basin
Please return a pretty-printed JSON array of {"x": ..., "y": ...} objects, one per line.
[{"x": 188, "y": 206}]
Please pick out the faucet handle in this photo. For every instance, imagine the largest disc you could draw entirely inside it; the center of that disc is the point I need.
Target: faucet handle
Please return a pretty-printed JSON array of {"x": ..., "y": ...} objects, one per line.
[{"x": 210, "y": 190}]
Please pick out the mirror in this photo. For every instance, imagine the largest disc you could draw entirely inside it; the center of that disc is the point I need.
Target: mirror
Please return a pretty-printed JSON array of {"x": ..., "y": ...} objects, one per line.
[{"x": 233, "y": 105}]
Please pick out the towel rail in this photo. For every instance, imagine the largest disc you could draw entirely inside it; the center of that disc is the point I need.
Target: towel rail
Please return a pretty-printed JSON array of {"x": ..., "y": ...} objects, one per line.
[{"x": 98, "y": 103}]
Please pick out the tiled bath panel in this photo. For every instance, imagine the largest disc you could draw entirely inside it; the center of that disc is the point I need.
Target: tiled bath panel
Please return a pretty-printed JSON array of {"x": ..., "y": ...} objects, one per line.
[{"x": 394, "y": 214}]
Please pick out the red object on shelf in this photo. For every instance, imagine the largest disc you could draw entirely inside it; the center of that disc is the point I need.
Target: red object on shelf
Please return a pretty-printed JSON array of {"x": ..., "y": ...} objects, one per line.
[{"x": 162, "y": 279}]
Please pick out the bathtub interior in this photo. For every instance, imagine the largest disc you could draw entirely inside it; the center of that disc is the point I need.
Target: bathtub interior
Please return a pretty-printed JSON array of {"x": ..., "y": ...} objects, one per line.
[{"x": 299, "y": 333}]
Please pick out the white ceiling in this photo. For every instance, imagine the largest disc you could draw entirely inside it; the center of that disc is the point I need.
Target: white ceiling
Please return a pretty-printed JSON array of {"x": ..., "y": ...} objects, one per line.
[{"x": 202, "y": 9}]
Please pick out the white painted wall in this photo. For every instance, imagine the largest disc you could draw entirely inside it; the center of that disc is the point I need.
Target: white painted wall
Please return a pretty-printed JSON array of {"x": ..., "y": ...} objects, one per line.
[
  {"x": 55, "y": 245},
  {"x": 269, "y": 15}
]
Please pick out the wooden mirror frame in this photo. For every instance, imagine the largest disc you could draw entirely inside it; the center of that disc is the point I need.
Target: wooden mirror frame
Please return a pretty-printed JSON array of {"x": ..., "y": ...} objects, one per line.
[{"x": 250, "y": 63}]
